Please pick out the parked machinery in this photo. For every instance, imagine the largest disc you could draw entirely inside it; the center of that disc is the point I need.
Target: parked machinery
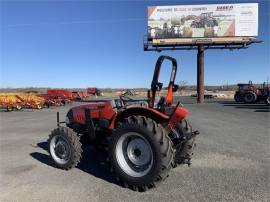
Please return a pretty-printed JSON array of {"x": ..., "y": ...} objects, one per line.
[
  {"x": 59, "y": 96},
  {"x": 11, "y": 102},
  {"x": 129, "y": 92},
  {"x": 78, "y": 95},
  {"x": 32, "y": 101},
  {"x": 204, "y": 20},
  {"x": 248, "y": 93},
  {"x": 18, "y": 101},
  {"x": 51, "y": 100},
  {"x": 143, "y": 141},
  {"x": 93, "y": 91}
]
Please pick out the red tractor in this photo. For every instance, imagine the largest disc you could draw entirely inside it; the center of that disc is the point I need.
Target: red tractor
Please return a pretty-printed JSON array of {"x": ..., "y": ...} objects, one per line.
[
  {"x": 144, "y": 139},
  {"x": 204, "y": 20},
  {"x": 93, "y": 91},
  {"x": 248, "y": 93}
]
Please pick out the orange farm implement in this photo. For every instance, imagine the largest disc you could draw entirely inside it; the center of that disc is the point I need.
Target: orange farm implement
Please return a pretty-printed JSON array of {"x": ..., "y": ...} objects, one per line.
[{"x": 21, "y": 100}]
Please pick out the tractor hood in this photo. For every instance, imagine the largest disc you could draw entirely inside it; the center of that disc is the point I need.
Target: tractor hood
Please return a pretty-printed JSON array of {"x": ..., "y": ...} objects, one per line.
[{"x": 97, "y": 110}]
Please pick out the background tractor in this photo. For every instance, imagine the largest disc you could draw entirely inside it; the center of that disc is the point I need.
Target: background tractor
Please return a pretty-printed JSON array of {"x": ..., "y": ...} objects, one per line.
[
  {"x": 144, "y": 138},
  {"x": 248, "y": 93},
  {"x": 204, "y": 20},
  {"x": 94, "y": 91}
]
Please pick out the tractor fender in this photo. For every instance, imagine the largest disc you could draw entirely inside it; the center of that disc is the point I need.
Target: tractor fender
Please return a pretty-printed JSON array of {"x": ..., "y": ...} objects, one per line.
[{"x": 133, "y": 111}]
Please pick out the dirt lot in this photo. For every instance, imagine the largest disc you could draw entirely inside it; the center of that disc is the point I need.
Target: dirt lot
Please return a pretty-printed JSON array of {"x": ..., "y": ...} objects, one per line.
[{"x": 231, "y": 161}]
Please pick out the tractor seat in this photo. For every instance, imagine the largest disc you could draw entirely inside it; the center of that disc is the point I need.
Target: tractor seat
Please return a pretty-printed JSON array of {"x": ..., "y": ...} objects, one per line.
[{"x": 163, "y": 107}]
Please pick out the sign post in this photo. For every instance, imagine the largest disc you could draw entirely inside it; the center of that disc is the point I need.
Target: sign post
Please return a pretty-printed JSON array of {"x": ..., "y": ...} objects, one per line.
[{"x": 200, "y": 74}]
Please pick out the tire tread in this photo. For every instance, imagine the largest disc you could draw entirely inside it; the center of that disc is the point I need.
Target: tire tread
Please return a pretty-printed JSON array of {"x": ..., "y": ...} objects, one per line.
[
  {"x": 166, "y": 148},
  {"x": 76, "y": 146}
]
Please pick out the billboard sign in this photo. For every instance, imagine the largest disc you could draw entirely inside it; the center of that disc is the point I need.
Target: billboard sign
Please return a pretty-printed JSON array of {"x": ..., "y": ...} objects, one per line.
[{"x": 202, "y": 21}]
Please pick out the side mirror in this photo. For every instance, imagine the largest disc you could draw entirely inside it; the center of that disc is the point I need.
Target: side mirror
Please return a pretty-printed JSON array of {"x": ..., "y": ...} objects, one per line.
[{"x": 175, "y": 87}]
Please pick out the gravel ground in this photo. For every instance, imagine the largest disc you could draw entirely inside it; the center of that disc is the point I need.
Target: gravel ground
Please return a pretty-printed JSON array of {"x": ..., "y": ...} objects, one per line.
[{"x": 231, "y": 162}]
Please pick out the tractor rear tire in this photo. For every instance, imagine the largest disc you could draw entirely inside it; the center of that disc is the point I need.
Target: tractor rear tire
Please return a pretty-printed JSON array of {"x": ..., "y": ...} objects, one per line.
[
  {"x": 184, "y": 151},
  {"x": 140, "y": 153},
  {"x": 250, "y": 97},
  {"x": 65, "y": 148}
]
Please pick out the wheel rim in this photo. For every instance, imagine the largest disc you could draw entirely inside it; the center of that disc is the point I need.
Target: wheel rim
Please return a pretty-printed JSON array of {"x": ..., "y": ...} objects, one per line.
[
  {"x": 60, "y": 149},
  {"x": 134, "y": 154}
]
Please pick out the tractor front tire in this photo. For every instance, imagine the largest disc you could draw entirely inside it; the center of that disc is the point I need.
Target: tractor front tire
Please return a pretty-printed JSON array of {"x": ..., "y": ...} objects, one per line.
[
  {"x": 238, "y": 97},
  {"x": 65, "y": 148},
  {"x": 140, "y": 153},
  {"x": 250, "y": 97}
]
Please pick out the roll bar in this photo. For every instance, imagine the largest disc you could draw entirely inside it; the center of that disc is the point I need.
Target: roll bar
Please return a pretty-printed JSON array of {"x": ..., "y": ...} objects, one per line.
[{"x": 157, "y": 86}]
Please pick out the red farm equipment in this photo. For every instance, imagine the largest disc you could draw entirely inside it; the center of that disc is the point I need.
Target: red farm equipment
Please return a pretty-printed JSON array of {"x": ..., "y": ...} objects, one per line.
[
  {"x": 144, "y": 140},
  {"x": 51, "y": 100},
  {"x": 78, "y": 95},
  {"x": 58, "y": 97},
  {"x": 93, "y": 91},
  {"x": 248, "y": 93}
]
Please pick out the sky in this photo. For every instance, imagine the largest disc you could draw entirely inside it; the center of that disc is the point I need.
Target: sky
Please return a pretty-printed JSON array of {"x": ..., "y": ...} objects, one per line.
[{"x": 78, "y": 44}]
